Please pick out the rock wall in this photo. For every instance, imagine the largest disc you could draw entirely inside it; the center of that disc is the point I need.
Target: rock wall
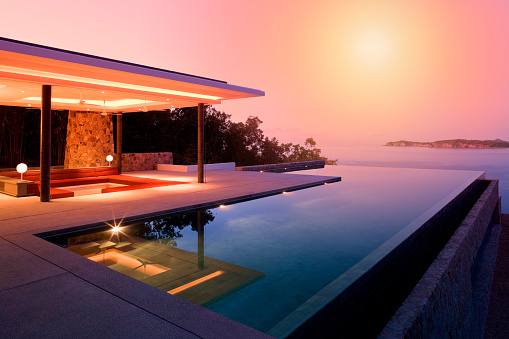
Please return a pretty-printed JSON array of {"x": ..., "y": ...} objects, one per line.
[
  {"x": 451, "y": 300},
  {"x": 145, "y": 161},
  {"x": 89, "y": 140}
]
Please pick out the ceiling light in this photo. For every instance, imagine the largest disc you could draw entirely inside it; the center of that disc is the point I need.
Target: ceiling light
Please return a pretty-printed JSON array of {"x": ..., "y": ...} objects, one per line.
[{"x": 114, "y": 103}]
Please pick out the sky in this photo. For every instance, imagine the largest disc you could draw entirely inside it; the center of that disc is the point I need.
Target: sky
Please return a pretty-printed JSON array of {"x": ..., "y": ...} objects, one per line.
[{"x": 351, "y": 72}]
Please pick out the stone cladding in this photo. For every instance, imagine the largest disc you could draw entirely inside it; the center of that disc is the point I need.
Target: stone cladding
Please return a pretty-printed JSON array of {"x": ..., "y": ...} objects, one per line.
[
  {"x": 89, "y": 140},
  {"x": 145, "y": 161},
  {"x": 451, "y": 300}
]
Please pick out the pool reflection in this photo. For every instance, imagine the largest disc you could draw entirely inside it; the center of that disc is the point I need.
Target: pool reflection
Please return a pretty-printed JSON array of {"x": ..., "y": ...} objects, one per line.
[{"x": 158, "y": 262}]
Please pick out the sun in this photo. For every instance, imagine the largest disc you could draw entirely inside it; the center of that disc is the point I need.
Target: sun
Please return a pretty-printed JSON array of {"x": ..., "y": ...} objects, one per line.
[{"x": 373, "y": 46}]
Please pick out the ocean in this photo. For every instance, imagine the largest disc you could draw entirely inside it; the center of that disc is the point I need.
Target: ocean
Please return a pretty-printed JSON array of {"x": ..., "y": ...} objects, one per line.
[{"x": 495, "y": 162}]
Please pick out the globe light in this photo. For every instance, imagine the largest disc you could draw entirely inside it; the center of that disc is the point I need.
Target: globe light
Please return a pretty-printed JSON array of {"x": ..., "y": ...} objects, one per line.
[
  {"x": 109, "y": 159},
  {"x": 21, "y": 168}
]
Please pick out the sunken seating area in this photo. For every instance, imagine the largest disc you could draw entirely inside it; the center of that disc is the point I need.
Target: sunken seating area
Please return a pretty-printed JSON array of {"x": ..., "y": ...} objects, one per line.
[{"x": 78, "y": 177}]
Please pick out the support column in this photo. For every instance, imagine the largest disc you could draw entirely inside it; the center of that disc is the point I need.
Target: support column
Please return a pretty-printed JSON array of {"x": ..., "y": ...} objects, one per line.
[
  {"x": 119, "y": 143},
  {"x": 201, "y": 142},
  {"x": 45, "y": 153}
]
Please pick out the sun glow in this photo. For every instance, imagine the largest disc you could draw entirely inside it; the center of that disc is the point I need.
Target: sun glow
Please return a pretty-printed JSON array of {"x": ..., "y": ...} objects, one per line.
[{"x": 374, "y": 46}]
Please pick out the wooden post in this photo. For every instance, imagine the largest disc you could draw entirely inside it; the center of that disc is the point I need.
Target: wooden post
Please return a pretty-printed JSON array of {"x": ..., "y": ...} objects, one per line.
[
  {"x": 119, "y": 143},
  {"x": 201, "y": 142},
  {"x": 45, "y": 153}
]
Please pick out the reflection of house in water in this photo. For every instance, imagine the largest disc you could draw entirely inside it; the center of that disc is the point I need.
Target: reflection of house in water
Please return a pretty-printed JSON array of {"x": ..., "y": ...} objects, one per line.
[{"x": 191, "y": 276}]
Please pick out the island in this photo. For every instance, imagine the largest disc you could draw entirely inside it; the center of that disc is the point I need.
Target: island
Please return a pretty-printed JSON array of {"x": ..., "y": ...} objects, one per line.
[{"x": 453, "y": 143}]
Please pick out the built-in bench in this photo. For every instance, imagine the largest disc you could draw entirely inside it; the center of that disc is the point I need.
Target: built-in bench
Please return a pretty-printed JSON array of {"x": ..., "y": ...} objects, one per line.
[{"x": 10, "y": 181}]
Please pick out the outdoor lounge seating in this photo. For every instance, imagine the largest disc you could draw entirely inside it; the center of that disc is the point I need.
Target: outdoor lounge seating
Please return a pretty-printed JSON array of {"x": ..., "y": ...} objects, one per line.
[{"x": 84, "y": 176}]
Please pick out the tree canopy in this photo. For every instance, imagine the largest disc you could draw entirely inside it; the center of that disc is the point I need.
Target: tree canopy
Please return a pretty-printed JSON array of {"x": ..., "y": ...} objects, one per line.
[
  {"x": 225, "y": 141},
  {"x": 158, "y": 131}
]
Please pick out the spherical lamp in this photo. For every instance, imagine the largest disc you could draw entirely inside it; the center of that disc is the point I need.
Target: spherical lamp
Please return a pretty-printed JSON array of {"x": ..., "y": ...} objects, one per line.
[
  {"x": 21, "y": 168},
  {"x": 109, "y": 159}
]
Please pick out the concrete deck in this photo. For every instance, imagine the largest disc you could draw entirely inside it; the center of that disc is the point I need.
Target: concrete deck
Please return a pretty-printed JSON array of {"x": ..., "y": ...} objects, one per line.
[{"x": 47, "y": 291}]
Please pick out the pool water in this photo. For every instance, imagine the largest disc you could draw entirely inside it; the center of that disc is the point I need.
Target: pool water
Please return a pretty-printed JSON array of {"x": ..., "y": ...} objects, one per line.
[{"x": 281, "y": 250}]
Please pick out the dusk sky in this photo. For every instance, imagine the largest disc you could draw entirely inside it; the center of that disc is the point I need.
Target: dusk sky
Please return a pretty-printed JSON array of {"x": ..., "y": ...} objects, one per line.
[{"x": 344, "y": 72}]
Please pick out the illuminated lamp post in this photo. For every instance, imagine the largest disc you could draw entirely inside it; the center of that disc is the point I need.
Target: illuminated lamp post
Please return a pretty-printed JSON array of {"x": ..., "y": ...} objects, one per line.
[
  {"x": 109, "y": 159},
  {"x": 21, "y": 168}
]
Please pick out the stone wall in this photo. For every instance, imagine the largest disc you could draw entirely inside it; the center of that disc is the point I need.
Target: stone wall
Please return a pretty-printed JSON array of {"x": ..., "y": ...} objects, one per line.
[
  {"x": 145, "y": 161},
  {"x": 89, "y": 140},
  {"x": 284, "y": 167},
  {"x": 451, "y": 300}
]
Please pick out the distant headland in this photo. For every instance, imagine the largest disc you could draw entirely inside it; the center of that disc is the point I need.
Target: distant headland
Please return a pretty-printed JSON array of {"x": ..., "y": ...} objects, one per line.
[{"x": 454, "y": 143}]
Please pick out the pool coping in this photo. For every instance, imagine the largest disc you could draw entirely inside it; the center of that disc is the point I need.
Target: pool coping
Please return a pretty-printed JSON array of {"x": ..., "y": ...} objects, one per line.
[{"x": 193, "y": 208}]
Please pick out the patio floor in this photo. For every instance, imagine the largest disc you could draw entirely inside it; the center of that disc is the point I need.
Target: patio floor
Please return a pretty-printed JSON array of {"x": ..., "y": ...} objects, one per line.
[{"x": 47, "y": 291}]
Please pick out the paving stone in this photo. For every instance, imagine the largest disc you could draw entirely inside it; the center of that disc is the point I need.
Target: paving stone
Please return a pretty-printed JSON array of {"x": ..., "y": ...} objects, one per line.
[
  {"x": 65, "y": 306},
  {"x": 20, "y": 267}
]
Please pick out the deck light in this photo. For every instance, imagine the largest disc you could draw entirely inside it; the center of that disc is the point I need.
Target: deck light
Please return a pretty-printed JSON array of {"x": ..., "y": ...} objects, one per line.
[
  {"x": 21, "y": 168},
  {"x": 109, "y": 159}
]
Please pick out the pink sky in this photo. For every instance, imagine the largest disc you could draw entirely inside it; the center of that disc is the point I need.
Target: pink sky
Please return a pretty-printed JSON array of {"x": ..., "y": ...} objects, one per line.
[{"x": 344, "y": 72}]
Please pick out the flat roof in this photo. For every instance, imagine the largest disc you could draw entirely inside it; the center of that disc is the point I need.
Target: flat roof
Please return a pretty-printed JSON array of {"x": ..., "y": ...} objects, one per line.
[{"x": 87, "y": 82}]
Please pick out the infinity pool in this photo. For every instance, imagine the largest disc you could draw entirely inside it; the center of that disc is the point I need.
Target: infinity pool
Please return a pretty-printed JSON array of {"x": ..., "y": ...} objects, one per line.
[{"x": 258, "y": 261}]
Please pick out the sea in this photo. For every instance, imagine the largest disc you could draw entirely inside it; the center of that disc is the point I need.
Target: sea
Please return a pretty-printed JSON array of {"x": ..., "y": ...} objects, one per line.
[{"x": 494, "y": 161}]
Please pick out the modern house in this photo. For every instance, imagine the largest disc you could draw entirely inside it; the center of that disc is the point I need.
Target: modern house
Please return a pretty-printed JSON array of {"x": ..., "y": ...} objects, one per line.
[{"x": 94, "y": 89}]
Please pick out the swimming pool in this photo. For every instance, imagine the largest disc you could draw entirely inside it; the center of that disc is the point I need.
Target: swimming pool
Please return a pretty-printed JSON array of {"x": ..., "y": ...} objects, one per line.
[{"x": 293, "y": 245}]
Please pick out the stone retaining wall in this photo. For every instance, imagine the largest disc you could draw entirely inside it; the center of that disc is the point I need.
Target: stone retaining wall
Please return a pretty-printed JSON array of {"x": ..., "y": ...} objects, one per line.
[
  {"x": 145, "y": 161},
  {"x": 284, "y": 167},
  {"x": 451, "y": 300},
  {"x": 361, "y": 302}
]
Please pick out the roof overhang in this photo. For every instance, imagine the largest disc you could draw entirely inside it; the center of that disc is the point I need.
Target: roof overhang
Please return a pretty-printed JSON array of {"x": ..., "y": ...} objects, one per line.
[{"x": 86, "y": 82}]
